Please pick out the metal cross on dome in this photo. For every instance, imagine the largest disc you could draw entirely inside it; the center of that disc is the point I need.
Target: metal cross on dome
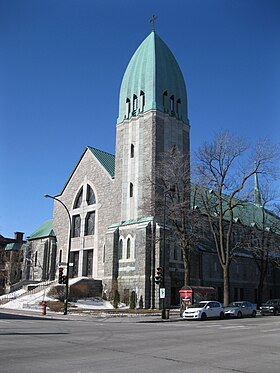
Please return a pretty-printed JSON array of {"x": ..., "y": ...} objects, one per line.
[{"x": 152, "y": 20}]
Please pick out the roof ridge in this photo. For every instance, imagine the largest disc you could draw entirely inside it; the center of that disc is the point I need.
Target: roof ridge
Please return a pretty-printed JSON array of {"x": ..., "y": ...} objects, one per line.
[{"x": 100, "y": 150}]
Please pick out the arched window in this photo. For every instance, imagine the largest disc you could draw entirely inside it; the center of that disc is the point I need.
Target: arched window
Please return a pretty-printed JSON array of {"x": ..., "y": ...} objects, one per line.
[
  {"x": 172, "y": 105},
  {"x": 79, "y": 199},
  {"x": 121, "y": 249},
  {"x": 142, "y": 101},
  {"x": 90, "y": 223},
  {"x": 128, "y": 249},
  {"x": 135, "y": 104},
  {"x": 131, "y": 190},
  {"x": 131, "y": 151},
  {"x": 127, "y": 111},
  {"x": 178, "y": 108},
  {"x": 90, "y": 196},
  {"x": 164, "y": 101},
  {"x": 76, "y": 226}
]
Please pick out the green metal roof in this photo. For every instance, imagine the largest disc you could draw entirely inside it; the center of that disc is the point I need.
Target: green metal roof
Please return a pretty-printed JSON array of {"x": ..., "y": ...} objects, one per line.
[
  {"x": 248, "y": 213},
  {"x": 133, "y": 221},
  {"x": 107, "y": 160},
  {"x": 153, "y": 69},
  {"x": 13, "y": 246},
  {"x": 45, "y": 230}
]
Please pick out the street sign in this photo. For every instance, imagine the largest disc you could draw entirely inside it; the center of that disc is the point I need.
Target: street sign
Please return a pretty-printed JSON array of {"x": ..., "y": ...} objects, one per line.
[
  {"x": 162, "y": 293},
  {"x": 71, "y": 264}
]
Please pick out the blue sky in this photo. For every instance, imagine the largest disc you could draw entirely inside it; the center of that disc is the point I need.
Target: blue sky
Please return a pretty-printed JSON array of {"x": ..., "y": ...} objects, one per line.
[{"x": 61, "y": 66}]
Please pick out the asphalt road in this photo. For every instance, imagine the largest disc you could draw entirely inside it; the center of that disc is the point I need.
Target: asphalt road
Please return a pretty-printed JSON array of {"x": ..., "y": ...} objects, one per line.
[{"x": 87, "y": 344}]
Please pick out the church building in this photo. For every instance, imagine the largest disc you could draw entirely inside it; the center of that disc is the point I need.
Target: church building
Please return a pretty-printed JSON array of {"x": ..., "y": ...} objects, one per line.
[{"x": 116, "y": 231}]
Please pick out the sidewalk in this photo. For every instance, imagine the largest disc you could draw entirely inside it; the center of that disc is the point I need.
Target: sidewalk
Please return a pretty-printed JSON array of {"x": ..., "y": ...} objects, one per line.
[{"x": 149, "y": 317}]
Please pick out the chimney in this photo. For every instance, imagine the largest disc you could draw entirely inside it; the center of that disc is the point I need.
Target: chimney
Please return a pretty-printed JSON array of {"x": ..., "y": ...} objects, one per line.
[{"x": 18, "y": 236}]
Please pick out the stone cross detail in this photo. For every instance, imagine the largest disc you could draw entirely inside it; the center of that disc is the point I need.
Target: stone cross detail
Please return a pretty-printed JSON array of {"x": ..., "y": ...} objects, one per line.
[{"x": 152, "y": 20}]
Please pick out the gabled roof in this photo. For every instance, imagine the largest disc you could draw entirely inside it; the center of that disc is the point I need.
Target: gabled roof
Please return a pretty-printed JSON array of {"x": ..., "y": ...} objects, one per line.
[
  {"x": 107, "y": 160},
  {"x": 45, "y": 230}
]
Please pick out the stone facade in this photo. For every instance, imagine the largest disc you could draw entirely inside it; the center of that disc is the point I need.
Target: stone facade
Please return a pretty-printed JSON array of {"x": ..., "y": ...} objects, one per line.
[{"x": 117, "y": 235}]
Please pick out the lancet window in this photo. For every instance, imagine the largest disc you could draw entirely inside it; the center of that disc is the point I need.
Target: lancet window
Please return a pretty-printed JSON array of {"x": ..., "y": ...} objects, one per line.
[
  {"x": 142, "y": 101},
  {"x": 127, "y": 111},
  {"x": 90, "y": 196},
  {"x": 79, "y": 199}
]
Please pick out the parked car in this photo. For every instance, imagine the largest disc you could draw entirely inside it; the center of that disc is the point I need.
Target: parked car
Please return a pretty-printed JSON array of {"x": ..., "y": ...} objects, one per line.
[
  {"x": 204, "y": 310},
  {"x": 271, "y": 307},
  {"x": 241, "y": 308}
]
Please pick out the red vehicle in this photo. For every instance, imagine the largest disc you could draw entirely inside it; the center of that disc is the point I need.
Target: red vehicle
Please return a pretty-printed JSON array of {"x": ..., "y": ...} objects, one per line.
[{"x": 194, "y": 294}]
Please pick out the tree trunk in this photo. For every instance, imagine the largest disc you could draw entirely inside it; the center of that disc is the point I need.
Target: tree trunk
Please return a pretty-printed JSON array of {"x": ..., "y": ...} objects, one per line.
[
  {"x": 226, "y": 285},
  {"x": 187, "y": 275}
]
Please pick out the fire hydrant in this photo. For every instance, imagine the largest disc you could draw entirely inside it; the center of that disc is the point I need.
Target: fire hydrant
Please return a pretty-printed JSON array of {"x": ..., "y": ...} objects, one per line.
[{"x": 44, "y": 307}]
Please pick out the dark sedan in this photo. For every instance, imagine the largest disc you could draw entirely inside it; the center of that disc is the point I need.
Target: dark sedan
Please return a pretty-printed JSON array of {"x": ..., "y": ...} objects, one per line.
[{"x": 271, "y": 307}]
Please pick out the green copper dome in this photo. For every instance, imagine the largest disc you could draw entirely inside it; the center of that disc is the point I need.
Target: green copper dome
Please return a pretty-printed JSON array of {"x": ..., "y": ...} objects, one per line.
[{"x": 153, "y": 80}]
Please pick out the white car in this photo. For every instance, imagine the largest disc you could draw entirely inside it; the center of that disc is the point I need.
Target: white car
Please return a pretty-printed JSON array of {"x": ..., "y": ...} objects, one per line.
[{"x": 204, "y": 310}]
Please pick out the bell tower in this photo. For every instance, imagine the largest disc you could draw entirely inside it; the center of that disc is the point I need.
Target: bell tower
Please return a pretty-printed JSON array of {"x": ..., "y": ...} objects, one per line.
[{"x": 153, "y": 118}]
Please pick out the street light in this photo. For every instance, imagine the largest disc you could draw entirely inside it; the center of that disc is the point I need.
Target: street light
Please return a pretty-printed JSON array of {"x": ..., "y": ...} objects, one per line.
[
  {"x": 68, "y": 255},
  {"x": 170, "y": 190}
]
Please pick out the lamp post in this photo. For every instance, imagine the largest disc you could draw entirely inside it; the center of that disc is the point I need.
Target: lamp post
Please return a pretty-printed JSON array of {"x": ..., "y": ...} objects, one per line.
[{"x": 68, "y": 254}]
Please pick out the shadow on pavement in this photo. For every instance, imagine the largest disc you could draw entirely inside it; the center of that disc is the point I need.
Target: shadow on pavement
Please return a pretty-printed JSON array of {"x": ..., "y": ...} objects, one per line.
[{"x": 12, "y": 316}]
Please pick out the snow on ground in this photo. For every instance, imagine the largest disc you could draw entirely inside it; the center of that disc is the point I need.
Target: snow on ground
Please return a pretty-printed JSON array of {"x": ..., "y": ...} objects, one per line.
[
  {"x": 13, "y": 295},
  {"x": 23, "y": 300}
]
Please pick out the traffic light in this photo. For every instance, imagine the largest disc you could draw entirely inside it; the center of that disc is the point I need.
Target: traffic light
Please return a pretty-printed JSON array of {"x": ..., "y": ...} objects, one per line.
[
  {"x": 60, "y": 275},
  {"x": 159, "y": 276}
]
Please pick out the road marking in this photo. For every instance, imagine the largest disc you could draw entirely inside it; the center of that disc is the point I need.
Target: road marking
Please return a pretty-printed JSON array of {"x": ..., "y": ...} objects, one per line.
[
  {"x": 270, "y": 330},
  {"x": 235, "y": 327}
]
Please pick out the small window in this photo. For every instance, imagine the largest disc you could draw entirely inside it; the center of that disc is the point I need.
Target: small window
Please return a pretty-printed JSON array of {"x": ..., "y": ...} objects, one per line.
[
  {"x": 131, "y": 190},
  {"x": 127, "y": 108},
  {"x": 79, "y": 199},
  {"x": 90, "y": 196},
  {"x": 36, "y": 259},
  {"x": 172, "y": 105},
  {"x": 131, "y": 151},
  {"x": 121, "y": 249},
  {"x": 164, "y": 101},
  {"x": 60, "y": 256},
  {"x": 76, "y": 222},
  {"x": 90, "y": 223},
  {"x": 178, "y": 108},
  {"x": 135, "y": 103},
  {"x": 128, "y": 249},
  {"x": 142, "y": 101}
]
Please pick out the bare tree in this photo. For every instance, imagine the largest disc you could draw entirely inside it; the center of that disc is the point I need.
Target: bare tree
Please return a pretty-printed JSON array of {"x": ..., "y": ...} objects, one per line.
[
  {"x": 223, "y": 171},
  {"x": 264, "y": 237},
  {"x": 172, "y": 200}
]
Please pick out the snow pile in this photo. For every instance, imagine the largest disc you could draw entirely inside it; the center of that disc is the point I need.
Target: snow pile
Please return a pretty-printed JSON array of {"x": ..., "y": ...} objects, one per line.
[
  {"x": 13, "y": 295},
  {"x": 28, "y": 301},
  {"x": 24, "y": 300}
]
